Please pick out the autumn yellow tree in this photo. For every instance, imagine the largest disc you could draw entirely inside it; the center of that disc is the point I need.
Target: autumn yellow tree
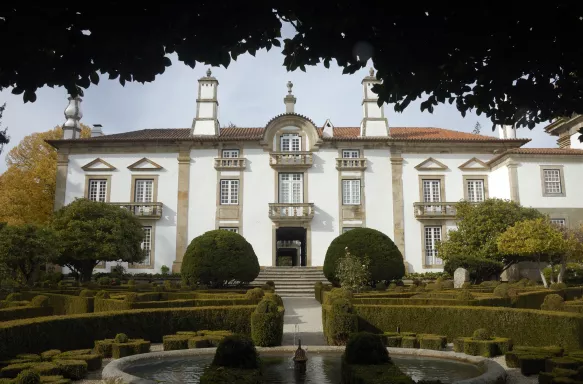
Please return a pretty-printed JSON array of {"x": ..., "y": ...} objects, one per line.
[{"x": 27, "y": 188}]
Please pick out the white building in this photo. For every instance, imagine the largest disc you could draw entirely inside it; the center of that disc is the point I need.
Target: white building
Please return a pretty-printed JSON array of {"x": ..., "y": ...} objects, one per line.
[{"x": 292, "y": 186}]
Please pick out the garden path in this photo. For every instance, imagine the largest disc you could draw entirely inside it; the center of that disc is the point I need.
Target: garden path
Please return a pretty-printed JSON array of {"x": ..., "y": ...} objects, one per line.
[{"x": 305, "y": 316}]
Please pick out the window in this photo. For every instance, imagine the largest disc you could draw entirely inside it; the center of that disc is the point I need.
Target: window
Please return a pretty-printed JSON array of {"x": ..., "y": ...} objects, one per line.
[
  {"x": 230, "y": 153},
  {"x": 351, "y": 192},
  {"x": 346, "y": 229},
  {"x": 291, "y": 188},
  {"x": 230, "y": 229},
  {"x": 475, "y": 190},
  {"x": 431, "y": 191},
  {"x": 147, "y": 247},
  {"x": 97, "y": 190},
  {"x": 552, "y": 181},
  {"x": 350, "y": 153},
  {"x": 291, "y": 142},
  {"x": 230, "y": 192},
  {"x": 559, "y": 222},
  {"x": 144, "y": 192},
  {"x": 432, "y": 236}
]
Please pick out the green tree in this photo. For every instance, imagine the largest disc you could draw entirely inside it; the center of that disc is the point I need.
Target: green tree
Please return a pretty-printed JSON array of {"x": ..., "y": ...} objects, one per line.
[
  {"x": 24, "y": 248},
  {"x": 478, "y": 227},
  {"x": 573, "y": 249},
  {"x": 352, "y": 271},
  {"x": 90, "y": 232},
  {"x": 386, "y": 261},
  {"x": 533, "y": 240},
  {"x": 219, "y": 258},
  {"x": 4, "y": 139}
]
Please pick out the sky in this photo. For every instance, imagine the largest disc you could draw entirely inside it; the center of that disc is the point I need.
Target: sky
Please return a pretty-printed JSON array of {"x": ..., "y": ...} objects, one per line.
[{"x": 250, "y": 93}]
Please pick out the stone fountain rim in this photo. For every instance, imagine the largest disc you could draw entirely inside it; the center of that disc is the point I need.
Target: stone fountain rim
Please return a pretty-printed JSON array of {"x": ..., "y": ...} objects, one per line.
[{"x": 491, "y": 370}]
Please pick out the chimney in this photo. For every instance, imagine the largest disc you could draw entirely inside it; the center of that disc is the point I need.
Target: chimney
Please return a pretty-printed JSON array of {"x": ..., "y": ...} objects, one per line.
[
  {"x": 96, "y": 131},
  {"x": 328, "y": 130},
  {"x": 507, "y": 132},
  {"x": 374, "y": 122},
  {"x": 207, "y": 105},
  {"x": 289, "y": 100},
  {"x": 73, "y": 114}
]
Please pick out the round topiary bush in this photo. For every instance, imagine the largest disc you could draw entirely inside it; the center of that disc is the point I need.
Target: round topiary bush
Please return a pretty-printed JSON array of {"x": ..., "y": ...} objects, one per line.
[
  {"x": 558, "y": 286},
  {"x": 102, "y": 295},
  {"x": 553, "y": 302},
  {"x": 218, "y": 258},
  {"x": 366, "y": 349},
  {"x": 505, "y": 291},
  {"x": 87, "y": 293},
  {"x": 236, "y": 352},
  {"x": 266, "y": 306},
  {"x": 465, "y": 295},
  {"x": 40, "y": 301},
  {"x": 27, "y": 377},
  {"x": 386, "y": 261},
  {"x": 255, "y": 294},
  {"x": 121, "y": 338},
  {"x": 270, "y": 283},
  {"x": 481, "y": 334}
]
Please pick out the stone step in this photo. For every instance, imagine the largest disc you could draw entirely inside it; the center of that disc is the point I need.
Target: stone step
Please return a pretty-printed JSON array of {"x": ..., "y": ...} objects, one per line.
[
  {"x": 284, "y": 295},
  {"x": 287, "y": 283},
  {"x": 286, "y": 276}
]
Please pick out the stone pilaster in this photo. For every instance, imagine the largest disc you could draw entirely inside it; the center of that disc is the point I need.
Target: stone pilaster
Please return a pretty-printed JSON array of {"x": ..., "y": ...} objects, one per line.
[
  {"x": 398, "y": 204},
  {"x": 182, "y": 207},
  {"x": 513, "y": 178},
  {"x": 61, "y": 183}
]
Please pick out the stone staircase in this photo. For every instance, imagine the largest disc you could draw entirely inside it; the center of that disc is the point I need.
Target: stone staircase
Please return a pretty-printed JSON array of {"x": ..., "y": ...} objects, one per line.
[{"x": 291, "y": 281}]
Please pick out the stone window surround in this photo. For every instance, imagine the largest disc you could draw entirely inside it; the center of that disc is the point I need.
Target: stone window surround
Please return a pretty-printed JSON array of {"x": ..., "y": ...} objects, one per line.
[
  {"x": 484, "y": 178},
  {"x": 151, "y": 224},
  {"x": 239, "y": 205},
  {"x": 230, "y": 228},
  {"x": 441, "y": 179},
  {"x": 561, "y": 170},
  {"x": 288, "y": 130},
  {"x": 361, "y": 188},
  {"x": 98, "y": 177},
  {"x": 432, "y": 223},
  {"x": 341, "y": 207},
  {"x": 144, "y": 177}
]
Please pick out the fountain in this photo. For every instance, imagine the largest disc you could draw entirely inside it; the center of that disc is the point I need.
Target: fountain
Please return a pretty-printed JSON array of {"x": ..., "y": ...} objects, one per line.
[{"x": 300, "y": 358}]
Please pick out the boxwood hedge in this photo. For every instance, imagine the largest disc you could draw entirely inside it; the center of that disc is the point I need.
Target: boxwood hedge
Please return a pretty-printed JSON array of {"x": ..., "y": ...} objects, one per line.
[
  {"x": 106, "y": 305},
  {"x": 8, "y": 314},
  {"x": 79, "y": 331},
  {"x": 65, "y": 304},
  {"x": 523, "y": 326}
]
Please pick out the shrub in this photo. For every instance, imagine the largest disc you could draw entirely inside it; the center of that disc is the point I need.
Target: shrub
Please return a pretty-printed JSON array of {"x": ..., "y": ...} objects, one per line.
[
  {"x": 40, "y": 301},
  {"x": 365, "y": 348},
  {"x": 352, "y": 271},
  {"x": 14, "y": 297},
  {"x": 168, "y": 285},
  {"x": 104, "y": 281},
  {"x": 27, "y": 377},
  {"x": 102, "y": 295},
  {"x": 381, "y": 286},
  {"x": 267, "y": 324},
  {"x": 386, "y": 261},
  {"x": 505, "y": 291},
  {"x": 175, "y": 342},
  {"x": 164, "y": 270},
  {"x": 131, "y": 283},
  {"x": 72, "y": 369},
  {"x": 217, "y": 258},
  {"x": 480, "y": 269},
  {"x": 267, "y": 288},
  {"x": 558, "y": 286},
  {"x": 236, "y": 352},
  {"x": 48, "y": 355},
  {"x": 465, "y": 295},
  {"x": 270, "y": 283},
  {"x": 25, "y": 312},
  {"x": 255, "y": 293},
  {"x": 492, "y": 347},
  {"x": 87, "y": 293},
  {"x": 121, "y": 338},
  {"x": 129, "y": 348},
  {"x": 340, "y": 322},
  {"x": 131, "y": 297},
  {"x": 93, "y": 360},
  {"x": 481, "y": 334},
  {"x": 553, "y": 302}
]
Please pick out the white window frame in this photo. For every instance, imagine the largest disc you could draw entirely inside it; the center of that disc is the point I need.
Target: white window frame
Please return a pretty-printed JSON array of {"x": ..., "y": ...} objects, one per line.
[
  {"x": 553, "y": 183},
  {"x": 559, "y": 222},
  {"x": 351, "y": 191},
  {"x": 230, "y": 153},
  {"x": 147, "y": 246},
  {"x": 229, "y": 192},
  {"x": 295, "y": 184},
  {"x": 141, "y": 194},
  {"x": 476, "y": 195},
  {"x": 230, "y": 229},
  {"x": 98, "y": 188},
  {"x": 429, "y": 242},
  {"x": 351, "y": 153},
  {"x": 290, "y": 142}
]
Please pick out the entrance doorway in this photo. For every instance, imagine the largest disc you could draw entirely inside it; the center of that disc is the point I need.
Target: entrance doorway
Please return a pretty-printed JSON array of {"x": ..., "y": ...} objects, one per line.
[{"x": 290, "y": 247}]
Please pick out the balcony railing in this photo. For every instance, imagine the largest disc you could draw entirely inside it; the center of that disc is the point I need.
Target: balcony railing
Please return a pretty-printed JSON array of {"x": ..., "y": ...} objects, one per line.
[
  {"x": 291, "y": 159},
  {"x": 291, "y": 211},
  {"x": 426, "y": 210},
  {"x": 229, "y": 163},
  {"x": 142, "y": 210},
  {"x": 347, "y": 164}
]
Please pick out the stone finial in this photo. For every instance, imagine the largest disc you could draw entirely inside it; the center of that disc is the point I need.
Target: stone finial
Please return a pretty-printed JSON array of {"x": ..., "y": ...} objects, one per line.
[
  {"x": 289, "y": 87},
  {"x": 208, "y": 73},
  {"x": 289, "y": 100},
  {"x": 371, "y": 71},
  {"x": 73, "y": 113}
]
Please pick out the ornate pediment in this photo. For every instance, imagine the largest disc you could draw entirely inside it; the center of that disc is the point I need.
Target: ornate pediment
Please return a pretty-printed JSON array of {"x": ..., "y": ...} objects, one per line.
[
  {"x": 98, "y": 165},
  {"x": 474, "y": 164},
  {"x": 431, "y": 165},
  {"x": 144, "y": 165}
]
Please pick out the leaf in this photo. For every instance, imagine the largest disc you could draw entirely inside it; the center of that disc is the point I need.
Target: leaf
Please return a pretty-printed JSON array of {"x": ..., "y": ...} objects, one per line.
[
  {"x": 17, "y": 90},
  {"x": 167, "y": 61},
  {"x": 94, "y": 78}
]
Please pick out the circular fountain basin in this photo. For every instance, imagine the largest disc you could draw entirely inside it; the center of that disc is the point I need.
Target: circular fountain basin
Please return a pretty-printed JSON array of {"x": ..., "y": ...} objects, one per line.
[{"x": 323, "y": 367}]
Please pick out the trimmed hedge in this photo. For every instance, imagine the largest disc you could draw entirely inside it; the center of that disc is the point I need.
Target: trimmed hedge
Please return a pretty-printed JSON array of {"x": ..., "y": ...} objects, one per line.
[
  {"x": 490, "y": 302},
  {"x": 267, "y": 325},
  {"x": 71, "y": 332},
  {"x": 487, "y": 348},
  {"x": 523, "y": 326},
  {"x": 15, "y": 313},
  {"x": 106, "y": 305},
  {"x": 65, "y": 304}
]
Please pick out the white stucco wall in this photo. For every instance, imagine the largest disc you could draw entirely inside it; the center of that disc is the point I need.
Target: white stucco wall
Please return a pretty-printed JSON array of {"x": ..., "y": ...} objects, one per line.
[
  {"x": 323, "y": 192},
  {"x": 120, "y": 190},
  {"x": 258, "y": 191},
  {"x": 378, "y": 191},
  {"x": 454, "y": 191},
  {"x": 499, "y": 183},
  {"x": 530, "y": 183},
  {"x": 202, "y": 198}
]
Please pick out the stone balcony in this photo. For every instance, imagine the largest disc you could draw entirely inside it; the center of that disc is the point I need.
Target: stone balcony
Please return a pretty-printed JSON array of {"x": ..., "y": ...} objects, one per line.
[
  {"x": 427, "y": 211},
  {"x": 291, "y": 212},
  {"x": 151, "y": 211},
  {"x": 351, "y": 164},
  {"x": 291, "y": 160},
  {"x": 230, "y": 163}
]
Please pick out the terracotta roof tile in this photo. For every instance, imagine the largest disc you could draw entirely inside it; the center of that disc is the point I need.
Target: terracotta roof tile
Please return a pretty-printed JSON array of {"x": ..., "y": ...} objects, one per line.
[
  {"x": 256, "y": 133},
  {"x": 431, "y": 133}
]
